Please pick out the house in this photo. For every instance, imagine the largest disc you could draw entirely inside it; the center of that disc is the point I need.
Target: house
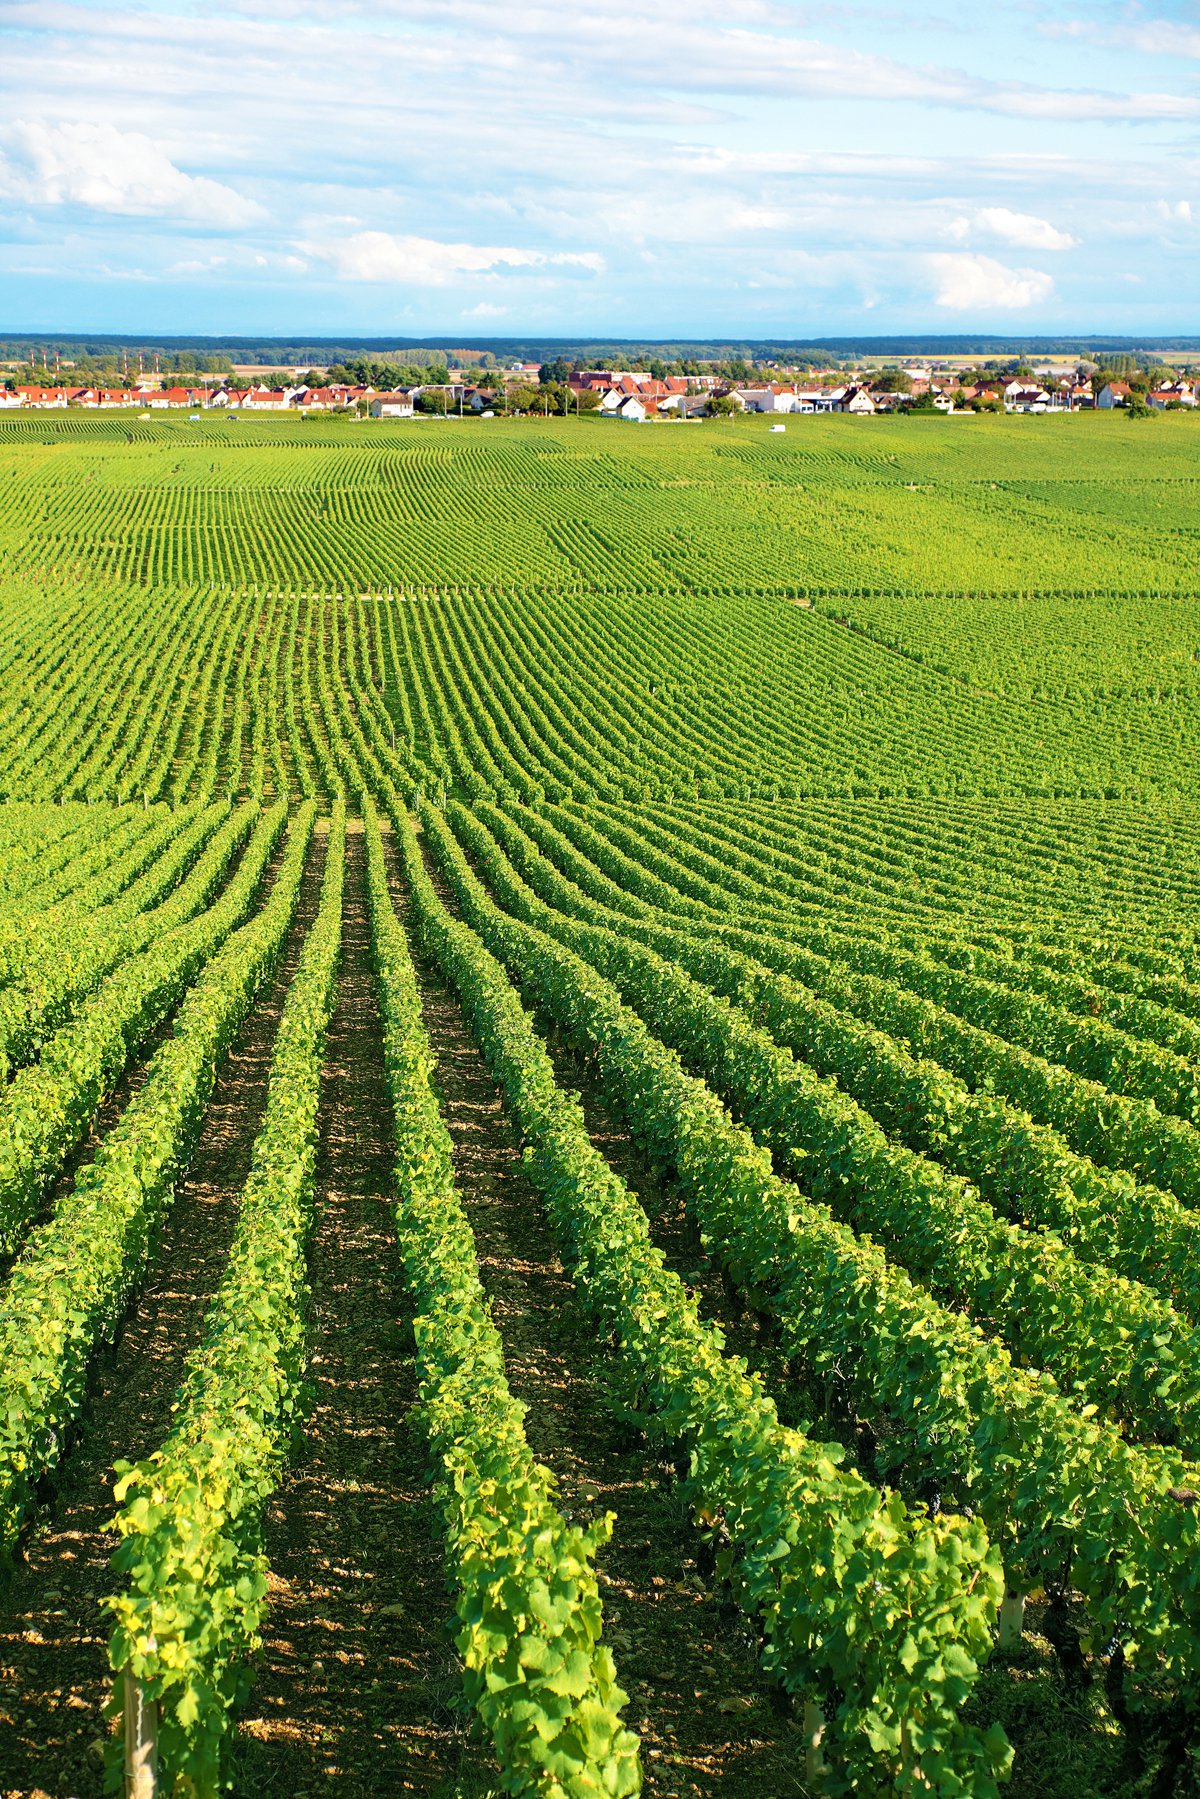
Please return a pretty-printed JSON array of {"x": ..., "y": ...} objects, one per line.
[
  {"x": 399, "y": 405},
  {"x": 1019, "y": 396},
  {"x": 628, "y": 407},
  {"x": 267, "y": 399},
  {"x": 857, "y": 400},
  {"x": 1113, "y": 393},
  {"x": 162, "y": 397},
  {"x": 625, "y": 384},
  {"x": 598, "y": 380},
  {"x": 771, "y": 398},
  {"x": 325, "y": 399},
  {"x": 1172, "y": 393},
  {"x": 43, "y": 396}
]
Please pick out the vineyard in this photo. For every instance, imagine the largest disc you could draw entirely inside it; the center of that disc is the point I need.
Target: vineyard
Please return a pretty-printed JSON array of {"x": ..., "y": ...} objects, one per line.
[{"x": 600, "y": 1126}]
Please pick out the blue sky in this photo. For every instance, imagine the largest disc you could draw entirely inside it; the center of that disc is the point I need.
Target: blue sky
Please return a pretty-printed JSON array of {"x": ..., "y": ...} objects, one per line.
[{"x": 686, "y": 168}]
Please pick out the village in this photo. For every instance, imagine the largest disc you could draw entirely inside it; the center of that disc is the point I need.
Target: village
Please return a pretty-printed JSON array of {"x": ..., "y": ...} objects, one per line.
[{"x": 625, "y": 394}]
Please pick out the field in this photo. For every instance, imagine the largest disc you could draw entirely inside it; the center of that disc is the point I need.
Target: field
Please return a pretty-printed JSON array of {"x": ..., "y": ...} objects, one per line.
[{"x": 600, "y": 1129}]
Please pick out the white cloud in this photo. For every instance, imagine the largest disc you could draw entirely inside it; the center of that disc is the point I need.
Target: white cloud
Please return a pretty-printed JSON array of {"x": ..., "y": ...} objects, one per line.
[
  {"x": 759, "y": 218},
  {"x": 966, "y": 283},
  {"x": 1162, "y": 37},
  {"x": 196, "y": 265},
  {"x": 97, "y": 167},
  {"x": 426, "y": 262},
  {"x": 1025, "y": 229},
  {"x": 696, "y": 171},
  {"x": 1152, "y": 37},
  {"x": 1023, "y": 102}
]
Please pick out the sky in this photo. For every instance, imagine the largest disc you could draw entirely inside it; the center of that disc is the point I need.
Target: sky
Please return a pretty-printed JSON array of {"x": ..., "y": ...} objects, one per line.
[{"x": 672, "y": 169}]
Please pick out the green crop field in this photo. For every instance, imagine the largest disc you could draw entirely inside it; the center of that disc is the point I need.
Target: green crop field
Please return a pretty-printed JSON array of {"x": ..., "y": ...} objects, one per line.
[{"x": 600, "y": 1129}]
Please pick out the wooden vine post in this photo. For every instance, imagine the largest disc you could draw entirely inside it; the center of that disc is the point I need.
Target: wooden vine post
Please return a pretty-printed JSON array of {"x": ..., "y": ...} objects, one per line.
[
  {"x": 141, "y": 1742},
  {"x": 1012, "y": 1617},
  {"x": 815, "y": 1766}
]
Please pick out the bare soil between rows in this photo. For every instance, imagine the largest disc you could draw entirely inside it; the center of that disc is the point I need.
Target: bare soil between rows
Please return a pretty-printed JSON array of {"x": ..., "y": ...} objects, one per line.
[
  {"x": 358, "y": 1690},
  {"x": 708, "y": 1718},
  {"x": 54, "y": 1677}
]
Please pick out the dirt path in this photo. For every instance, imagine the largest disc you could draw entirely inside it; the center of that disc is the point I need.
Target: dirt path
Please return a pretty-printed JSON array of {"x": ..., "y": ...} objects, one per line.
[
  {"x": 704, "y": 1711},
  {"x": 53, "y": 1633},
  {"x": 358, "y": 1688}
]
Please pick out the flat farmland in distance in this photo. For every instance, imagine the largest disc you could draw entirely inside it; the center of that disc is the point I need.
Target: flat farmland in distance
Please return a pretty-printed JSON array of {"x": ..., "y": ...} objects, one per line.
[{"x": 600, "y": 1126}]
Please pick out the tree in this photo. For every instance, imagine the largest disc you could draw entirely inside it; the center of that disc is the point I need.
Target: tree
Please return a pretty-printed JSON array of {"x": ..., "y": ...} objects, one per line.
[
  {"x": 558, "y": 370},
  {"x": 721, "y": 406},
  {"x": 892, "y": 381},
  {"x": 563, "y": 398}
]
